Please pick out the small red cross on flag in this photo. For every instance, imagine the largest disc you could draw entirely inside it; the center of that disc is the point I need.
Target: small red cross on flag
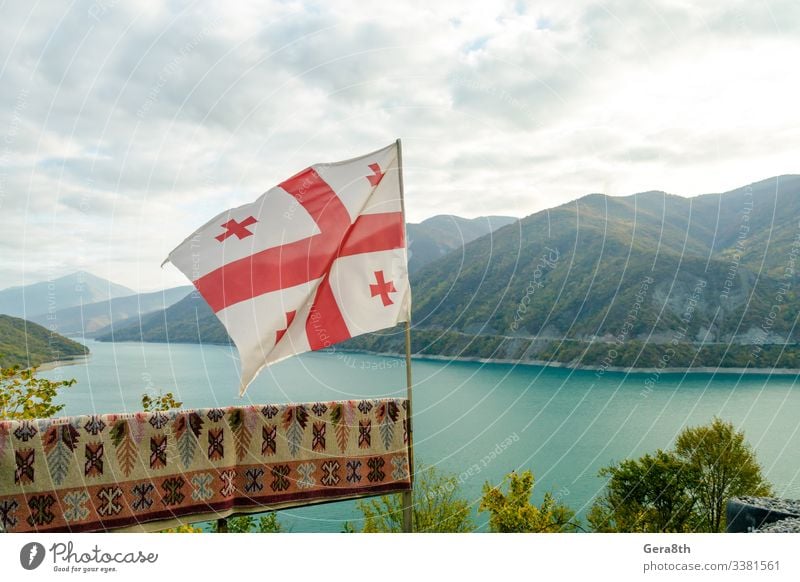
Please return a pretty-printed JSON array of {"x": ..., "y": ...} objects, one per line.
[
  {"x": 236, "y": 228},
  {"x": 382, "y": 288},
  {"x": 314, "y": 261}
]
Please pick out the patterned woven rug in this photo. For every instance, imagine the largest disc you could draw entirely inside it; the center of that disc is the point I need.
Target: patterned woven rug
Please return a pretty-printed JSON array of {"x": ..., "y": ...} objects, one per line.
[{"x": 149, "y": 471}]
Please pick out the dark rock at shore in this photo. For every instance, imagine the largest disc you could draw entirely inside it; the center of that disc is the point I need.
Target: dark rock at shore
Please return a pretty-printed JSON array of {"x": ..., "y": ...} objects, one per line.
[{"x": 748, "y": 514}]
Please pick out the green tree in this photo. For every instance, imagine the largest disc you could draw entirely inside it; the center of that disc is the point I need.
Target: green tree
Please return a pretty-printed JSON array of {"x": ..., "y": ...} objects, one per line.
[
  {"x": 185, "y": 528},
  {"x": 514, "y": 512},
  {"x": 243, "y": 524},
  {"x": 684, "y": 489},
  {"x": 247, "y": 524},
  {"x": 162, "y": 402},
  {"x": 24, "y": 396},
  {"x": 722, "y": 465},
  {"x": 436, "y": 507},
  {"x": 649, "y": 494}
]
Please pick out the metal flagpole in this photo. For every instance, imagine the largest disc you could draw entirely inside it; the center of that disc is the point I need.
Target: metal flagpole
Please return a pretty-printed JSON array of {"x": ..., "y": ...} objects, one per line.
[{"x": 408, "y": 499}]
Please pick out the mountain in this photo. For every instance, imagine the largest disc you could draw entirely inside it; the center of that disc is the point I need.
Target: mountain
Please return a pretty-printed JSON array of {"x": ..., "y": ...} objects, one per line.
[
  {"x": 581, "y": 265},
  {"x": 435, "y": 237},
  {"x": 647, "y": 280},
  {"x": 47, "y": 297},
  {"x": 28, "y": 344},
  {"x": 190, "y": 320},
  {"x": 84, "y": 320},
  {"x": 610, "y": 280}
]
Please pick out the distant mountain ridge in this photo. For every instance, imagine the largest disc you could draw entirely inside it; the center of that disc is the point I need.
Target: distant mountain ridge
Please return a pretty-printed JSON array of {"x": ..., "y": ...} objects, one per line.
[
  {"x": 89, "y": 319},
  {"x": 79, "y": 288},
  {"x": 190, "y": 320},
  {"x": 433, "y": 238}
]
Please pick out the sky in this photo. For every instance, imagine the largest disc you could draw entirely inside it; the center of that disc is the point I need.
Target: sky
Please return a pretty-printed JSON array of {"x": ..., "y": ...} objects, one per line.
[{"x": 124, "y": 126}]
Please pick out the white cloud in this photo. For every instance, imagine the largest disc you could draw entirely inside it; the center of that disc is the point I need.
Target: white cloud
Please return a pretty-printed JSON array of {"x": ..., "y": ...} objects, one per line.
[{"x": 123, "y": 126}]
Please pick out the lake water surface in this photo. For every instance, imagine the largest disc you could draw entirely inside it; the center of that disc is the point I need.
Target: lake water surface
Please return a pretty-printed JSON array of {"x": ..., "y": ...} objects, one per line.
[{"x": 564, "y": 424}]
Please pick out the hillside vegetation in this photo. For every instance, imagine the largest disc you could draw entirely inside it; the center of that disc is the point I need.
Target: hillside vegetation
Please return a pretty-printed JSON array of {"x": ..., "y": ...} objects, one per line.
[
  {"x": 576, "y": 271},
  {"x": 28, "y": 344},
  {"x": 615, "y": 281}
]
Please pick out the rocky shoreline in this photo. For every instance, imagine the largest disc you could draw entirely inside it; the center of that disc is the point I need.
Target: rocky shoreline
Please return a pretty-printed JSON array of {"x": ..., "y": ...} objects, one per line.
[
  {"x": 77, "y": 360},
  {"x": 791, "y": 525},
  {"x": 533, "y": 363},
  {"x": 528, "y": 358},
  {"x": 603, "y": 369}
]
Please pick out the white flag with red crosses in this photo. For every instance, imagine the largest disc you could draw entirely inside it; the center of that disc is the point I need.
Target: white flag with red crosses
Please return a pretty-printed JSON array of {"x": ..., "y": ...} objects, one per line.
[{"x": 316, "y": 260}]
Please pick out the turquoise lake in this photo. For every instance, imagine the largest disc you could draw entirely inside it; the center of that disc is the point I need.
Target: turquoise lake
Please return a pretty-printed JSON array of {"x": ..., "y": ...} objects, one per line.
[{"x": 565, "y": 424}]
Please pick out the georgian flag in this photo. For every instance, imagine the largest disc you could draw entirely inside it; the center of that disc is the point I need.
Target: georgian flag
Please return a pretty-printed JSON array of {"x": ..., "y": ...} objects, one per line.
[{"x": 316, "y": 260}]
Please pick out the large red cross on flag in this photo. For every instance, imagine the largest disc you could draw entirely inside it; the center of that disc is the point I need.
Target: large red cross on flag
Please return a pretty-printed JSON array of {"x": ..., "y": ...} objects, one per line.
[{"x": 314, "y": 261}]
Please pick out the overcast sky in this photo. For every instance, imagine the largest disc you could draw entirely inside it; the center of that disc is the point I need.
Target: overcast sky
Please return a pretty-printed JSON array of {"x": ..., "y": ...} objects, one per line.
[{"x": 126, "y": 125}]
